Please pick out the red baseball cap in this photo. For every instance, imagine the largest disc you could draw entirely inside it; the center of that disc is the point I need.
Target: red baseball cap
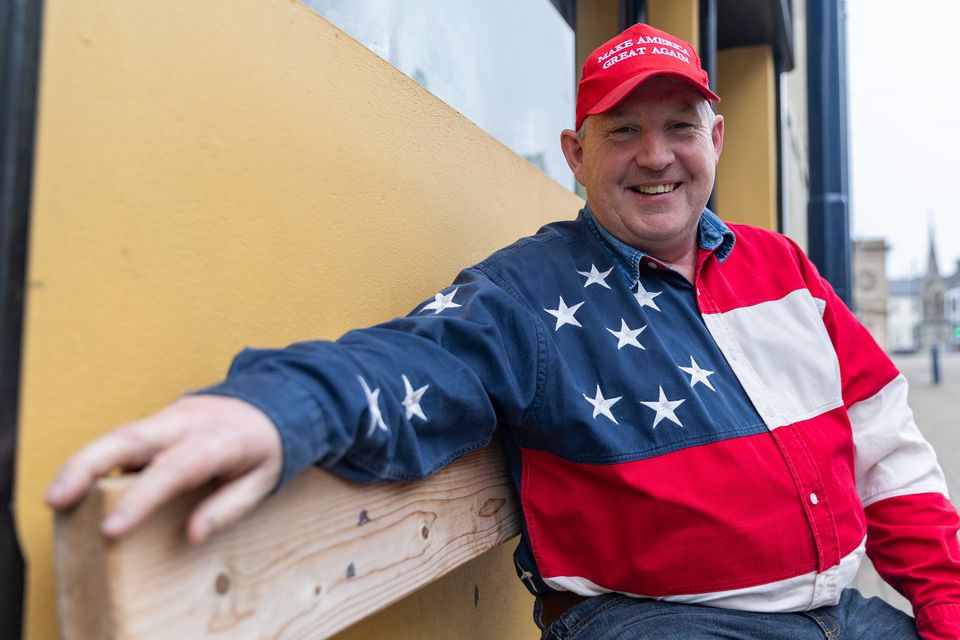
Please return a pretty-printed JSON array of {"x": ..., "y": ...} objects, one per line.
[{"x": 624, "y": 62}]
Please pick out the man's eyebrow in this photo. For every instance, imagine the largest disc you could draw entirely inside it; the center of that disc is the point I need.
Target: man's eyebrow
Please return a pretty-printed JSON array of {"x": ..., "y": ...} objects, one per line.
[{"x": 689, "y": 109}]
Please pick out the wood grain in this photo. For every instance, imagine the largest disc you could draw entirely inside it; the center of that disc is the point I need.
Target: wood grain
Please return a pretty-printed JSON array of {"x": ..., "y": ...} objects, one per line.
[{"x": 319, "y": 555}]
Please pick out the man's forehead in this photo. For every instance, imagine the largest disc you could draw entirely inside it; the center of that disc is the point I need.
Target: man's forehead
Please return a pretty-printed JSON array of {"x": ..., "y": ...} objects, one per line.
[
  {"x": 676, "y": 100},
  {"x": 663, "y": 93}
]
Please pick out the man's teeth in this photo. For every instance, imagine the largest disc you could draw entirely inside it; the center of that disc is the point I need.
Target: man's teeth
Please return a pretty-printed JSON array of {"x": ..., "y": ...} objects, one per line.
[{"x": 660, "y": 188}]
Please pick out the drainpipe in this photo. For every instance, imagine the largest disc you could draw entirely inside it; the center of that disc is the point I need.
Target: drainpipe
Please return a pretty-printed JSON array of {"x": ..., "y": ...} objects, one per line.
[
  {"x": 632, "y": 12},
  {"x": 708, "y": 60},
  {"x": 828, "y": 216}
]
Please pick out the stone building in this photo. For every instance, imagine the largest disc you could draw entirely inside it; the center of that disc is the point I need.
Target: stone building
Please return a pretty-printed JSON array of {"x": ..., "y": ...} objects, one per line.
[
  {"x": 925, "y": 310},
  {"x": 934, "y": 326},
  {"x": 903, "y": 315},
  {"x": 870, "y": 287}
]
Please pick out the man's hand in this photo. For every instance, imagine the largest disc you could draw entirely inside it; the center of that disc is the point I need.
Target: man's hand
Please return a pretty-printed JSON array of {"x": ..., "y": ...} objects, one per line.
[{"x": 194, "y": 440}]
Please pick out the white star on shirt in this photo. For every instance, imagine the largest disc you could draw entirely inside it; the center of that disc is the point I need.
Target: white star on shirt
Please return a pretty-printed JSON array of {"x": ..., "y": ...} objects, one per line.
[
  {"x": 664, "y": 409},
  {"x": 595, "y": 277},
  {"x": 441, "y": 302},
  {"x": 627, "y": 336},
  {"x": 697, "y": 374},
  {"x": 373, "y": 404},
  {"x": 645, "y": 298},
  {"x": 412, "y": 400},
  {"x": 602, "y": 405},
  {"x": 564, "y": 314}
]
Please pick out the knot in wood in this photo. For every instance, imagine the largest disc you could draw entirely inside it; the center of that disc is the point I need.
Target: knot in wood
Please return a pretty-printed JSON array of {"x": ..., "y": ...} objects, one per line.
[
  {"x": 222, "y": 584},
  {"x": 491, "y": 506}
]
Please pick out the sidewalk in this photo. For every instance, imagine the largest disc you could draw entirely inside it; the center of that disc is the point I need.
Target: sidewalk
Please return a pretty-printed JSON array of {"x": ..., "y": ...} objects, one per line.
[{"x": 937, "y": 412}]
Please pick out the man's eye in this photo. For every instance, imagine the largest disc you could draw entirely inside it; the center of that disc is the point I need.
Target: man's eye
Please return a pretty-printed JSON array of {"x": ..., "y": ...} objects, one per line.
[
  {"x": 623, "y": 130},
  {"x": 679, "y": 126}
]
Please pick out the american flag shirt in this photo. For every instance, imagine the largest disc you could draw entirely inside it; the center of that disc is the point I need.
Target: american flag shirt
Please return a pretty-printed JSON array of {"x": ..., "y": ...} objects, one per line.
[{"x": 739, "y": 441}]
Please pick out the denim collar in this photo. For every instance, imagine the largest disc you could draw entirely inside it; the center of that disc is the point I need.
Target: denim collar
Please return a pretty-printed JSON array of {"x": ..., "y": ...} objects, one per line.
[{"x": 714, "y": 236}]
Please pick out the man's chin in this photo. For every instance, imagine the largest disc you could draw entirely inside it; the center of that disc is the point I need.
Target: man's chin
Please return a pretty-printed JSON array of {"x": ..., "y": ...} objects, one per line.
[{"x": 660, "y": 231}]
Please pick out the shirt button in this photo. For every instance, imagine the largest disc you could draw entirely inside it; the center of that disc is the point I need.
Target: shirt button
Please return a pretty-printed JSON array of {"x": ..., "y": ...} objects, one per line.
[
  {"x": 814, "y": 499},
  {"x": 652, "y": 265},
  {"x": 698, "y": 290}
]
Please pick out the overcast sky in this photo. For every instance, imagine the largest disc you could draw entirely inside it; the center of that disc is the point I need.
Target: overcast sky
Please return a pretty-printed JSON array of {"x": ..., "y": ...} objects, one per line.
[{"x": 904, "y": 114}]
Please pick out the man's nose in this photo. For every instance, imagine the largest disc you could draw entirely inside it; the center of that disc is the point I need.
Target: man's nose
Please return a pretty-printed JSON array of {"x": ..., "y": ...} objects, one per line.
[{"x": 653, "y": 152}]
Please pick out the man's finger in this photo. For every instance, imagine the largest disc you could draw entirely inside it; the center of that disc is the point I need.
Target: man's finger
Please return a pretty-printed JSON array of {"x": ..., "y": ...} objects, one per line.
[
  {"x": 229, "y": 503},
  {"x": 130, "y": 446},
  {"x": 187, "y": 465}
]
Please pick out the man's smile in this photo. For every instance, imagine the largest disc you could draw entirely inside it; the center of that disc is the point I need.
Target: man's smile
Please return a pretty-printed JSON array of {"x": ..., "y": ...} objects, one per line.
[{"x": 656, "y": 189}]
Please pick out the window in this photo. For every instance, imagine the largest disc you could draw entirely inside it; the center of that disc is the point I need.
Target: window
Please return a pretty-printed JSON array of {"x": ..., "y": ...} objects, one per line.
[{"x": 507, "y": 65}]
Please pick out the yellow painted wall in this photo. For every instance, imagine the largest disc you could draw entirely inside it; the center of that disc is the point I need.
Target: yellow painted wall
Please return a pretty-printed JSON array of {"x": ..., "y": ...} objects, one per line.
[
  {"x": 217, "y": 174},
  {"x": 679, "y": 17},
  {"x": 597, "y": 22},
  {"x": 747, "y": 175}
]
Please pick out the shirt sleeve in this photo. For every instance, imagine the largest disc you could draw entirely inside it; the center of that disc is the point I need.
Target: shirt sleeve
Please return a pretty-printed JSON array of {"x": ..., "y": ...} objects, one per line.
[
  {"x": 911, "y": 524},
  {"x": 399, "y": 400}
]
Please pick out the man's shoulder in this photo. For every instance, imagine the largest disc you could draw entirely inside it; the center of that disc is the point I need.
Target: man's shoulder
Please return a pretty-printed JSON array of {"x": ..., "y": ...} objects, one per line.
[
  {"x": 767, "y": 265},
  {"x": 529, "y": 264},
  {"x": 752, "y": 233},
  {"x": 754, "y": 242}
]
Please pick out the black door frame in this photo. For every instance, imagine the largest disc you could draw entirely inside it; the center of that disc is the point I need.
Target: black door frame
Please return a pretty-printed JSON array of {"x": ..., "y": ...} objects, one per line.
[{"x": 20, "y": 32}]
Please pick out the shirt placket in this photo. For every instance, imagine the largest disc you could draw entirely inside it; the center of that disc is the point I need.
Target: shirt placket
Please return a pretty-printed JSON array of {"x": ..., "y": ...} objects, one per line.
[
  {"x": 802, "y": 465},
  {"x": 816, "y": 505}
]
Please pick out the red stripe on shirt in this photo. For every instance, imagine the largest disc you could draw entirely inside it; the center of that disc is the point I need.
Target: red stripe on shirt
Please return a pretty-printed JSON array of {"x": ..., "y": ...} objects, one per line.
[{"x": 707, "y": 518}]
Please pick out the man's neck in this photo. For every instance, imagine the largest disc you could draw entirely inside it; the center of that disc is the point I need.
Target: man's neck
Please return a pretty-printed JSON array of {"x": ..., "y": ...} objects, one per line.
[
  {"x": 685, "y": 264},
  {"x": 680, "y": 254}
]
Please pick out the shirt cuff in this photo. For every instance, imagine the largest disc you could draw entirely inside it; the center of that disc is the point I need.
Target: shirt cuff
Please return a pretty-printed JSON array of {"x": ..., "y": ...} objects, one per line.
[
  {"x": 939, "y": 622},
  {"x": 295, "y": 413}
]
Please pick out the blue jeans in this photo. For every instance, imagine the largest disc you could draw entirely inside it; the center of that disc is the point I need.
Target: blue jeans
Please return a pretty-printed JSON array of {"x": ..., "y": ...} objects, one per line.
[{"x": 617, "y": 617}]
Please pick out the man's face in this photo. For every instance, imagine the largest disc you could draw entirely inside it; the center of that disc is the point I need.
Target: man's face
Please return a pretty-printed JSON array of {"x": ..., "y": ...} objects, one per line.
[{"x": 648, "y": 165}]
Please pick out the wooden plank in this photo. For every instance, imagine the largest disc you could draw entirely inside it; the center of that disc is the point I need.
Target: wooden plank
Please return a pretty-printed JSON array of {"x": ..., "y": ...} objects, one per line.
[
  {"x": 319, "y": 555},
  {"x": 83, "y": 594}
]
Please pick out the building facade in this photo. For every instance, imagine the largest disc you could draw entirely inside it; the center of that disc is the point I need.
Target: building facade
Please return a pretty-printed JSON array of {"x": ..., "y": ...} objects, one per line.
[
  {"x": 870, "y": 292},
  {"x": 924, "y": 311},
  {"x": 214, "y": 175},
  {"x": 904, "y": 315}
]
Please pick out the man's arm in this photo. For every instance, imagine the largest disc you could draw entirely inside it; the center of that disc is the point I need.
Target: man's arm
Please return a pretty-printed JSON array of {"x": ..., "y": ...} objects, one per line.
[
  {"x": 911, "y": 525},
  {"x": 392, "y": 402}
]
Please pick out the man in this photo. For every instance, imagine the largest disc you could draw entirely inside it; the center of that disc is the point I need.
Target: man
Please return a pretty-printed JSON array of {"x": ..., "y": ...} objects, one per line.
[{"x": 704, "y": 440}]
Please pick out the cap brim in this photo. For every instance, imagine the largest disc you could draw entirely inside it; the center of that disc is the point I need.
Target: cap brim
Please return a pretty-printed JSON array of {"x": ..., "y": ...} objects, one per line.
[{"x": 614, "y": 97}]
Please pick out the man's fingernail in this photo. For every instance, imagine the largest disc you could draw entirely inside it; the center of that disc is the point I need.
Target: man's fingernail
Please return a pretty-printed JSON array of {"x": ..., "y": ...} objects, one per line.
[{"x": 114, "y": 523}]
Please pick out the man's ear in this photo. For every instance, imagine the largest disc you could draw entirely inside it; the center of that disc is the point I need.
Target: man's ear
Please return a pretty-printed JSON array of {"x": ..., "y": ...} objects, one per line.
[
  {"x": 573, "y": 151},
  {"x": 717, "y": 135}
]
